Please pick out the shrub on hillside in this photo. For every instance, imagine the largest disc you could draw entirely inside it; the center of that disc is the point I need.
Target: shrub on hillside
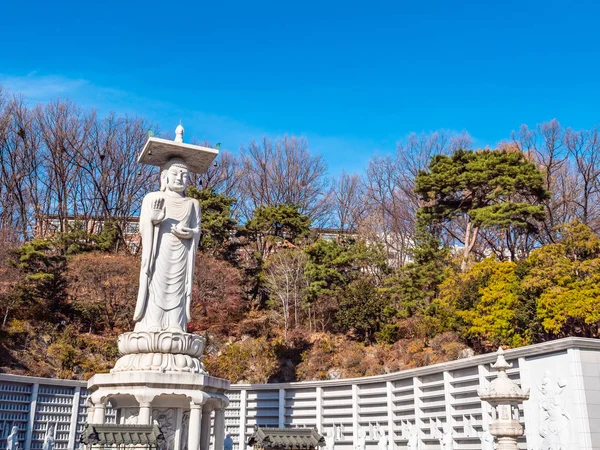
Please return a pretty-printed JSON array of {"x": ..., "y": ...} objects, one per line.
[
  {"x": 217, "y": 297},
  {"x": 247, "y": 361},
  {"x": 103, "y": 288}
]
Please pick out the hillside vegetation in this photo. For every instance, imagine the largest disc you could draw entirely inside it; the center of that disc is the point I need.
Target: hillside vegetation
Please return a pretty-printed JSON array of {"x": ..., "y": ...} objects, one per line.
[{"x": 439, "y": 252}]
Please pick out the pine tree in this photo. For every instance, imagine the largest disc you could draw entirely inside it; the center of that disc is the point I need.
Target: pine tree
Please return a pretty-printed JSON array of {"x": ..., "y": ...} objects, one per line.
[
  {"x": 218, "y": 224},
  {"x": 497, "y": 189}
]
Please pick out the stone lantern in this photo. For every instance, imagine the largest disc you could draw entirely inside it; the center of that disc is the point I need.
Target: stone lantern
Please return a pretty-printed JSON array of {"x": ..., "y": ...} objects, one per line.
[{"x": 504, "y": 395}]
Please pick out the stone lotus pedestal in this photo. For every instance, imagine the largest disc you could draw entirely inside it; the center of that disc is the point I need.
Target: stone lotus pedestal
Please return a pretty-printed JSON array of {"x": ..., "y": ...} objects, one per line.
[
  {"x": 160, "y": 377},
  {"x": 160, "y": 351}
]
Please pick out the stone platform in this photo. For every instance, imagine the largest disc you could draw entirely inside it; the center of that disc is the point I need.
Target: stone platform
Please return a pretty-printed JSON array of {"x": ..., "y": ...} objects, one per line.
[
  {"x": 182, "y": 404},
  {"x": 160, "y": 378}
]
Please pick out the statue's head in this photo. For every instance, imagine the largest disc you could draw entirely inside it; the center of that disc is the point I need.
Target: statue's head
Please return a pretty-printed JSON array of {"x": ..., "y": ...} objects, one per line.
[{"x": 174, "y": 175}]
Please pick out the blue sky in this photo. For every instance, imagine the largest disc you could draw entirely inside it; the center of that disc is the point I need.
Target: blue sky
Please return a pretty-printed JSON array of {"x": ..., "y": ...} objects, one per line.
[{"x": 353, "y": 77}]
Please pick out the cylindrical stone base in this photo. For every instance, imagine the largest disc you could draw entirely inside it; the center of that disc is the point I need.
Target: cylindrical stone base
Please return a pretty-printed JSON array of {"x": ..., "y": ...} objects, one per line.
[{"x": 507, "y": 443}]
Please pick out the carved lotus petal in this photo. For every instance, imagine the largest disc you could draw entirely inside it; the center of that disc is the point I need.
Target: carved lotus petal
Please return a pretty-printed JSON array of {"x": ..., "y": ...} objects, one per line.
[
  {"x": 180, "y": 361},
  {"x": 145, "y": 359},
  {"x": 179, "y": 344},
  {"x": 144, "y": 343},
  {"x": 160, "y": 362},
  {"x": 164, "y": 343},
  {"x": 197, "y": 347},
  {"x": 161, "y": 342}
]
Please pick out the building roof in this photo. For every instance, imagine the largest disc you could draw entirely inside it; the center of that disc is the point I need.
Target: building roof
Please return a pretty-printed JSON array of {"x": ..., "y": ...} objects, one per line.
[
  {"x": 108, "y": 434},
  {"x": 287, "y": 438}
]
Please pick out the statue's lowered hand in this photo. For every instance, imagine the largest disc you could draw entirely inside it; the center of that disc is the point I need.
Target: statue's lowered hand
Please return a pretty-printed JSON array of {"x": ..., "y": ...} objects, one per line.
[
  {"x": 181, "y": 231},
  {"x": 158, "y": 211}
]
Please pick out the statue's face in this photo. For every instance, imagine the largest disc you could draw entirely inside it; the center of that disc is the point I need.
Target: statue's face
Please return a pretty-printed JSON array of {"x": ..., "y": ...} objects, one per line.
[{"x": 177, "y": 178}]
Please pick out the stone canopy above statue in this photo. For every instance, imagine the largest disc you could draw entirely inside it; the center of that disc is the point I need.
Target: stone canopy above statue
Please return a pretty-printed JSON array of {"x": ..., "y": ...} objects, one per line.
[{"x": 157, "y": 152}]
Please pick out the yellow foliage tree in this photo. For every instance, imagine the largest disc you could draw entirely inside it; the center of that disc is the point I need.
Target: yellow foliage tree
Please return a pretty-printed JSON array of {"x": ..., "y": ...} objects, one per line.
[
  {"x": 566, "y": 279},
  {"x": 486, "y": 305},
  {"x": 247, "y": 361}
]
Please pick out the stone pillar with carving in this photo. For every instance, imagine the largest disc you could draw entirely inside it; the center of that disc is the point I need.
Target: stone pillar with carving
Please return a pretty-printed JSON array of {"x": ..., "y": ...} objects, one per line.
[
  {"x": 504, "y": 395},
  {"x": 160, "y": 376}
]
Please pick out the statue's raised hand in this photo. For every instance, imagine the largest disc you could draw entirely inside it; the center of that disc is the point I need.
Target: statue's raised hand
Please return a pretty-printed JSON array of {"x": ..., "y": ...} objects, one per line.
[{"x": 158, "y": 211}]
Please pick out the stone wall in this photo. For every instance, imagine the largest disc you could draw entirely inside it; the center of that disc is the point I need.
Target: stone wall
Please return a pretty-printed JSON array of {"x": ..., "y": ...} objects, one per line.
[{"x": 563, "y": 376}]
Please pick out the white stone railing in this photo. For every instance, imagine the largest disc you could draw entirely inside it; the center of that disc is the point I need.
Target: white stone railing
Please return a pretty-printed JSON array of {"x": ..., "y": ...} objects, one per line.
[{"x": 420, "y": 401}]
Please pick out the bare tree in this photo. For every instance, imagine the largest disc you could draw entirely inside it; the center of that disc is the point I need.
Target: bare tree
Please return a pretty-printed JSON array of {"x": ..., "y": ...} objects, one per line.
[
  {"x": 223, "y": 176},
  {"x": 283, "y": 171},
  {"x": 64, "y": 131},
  {"x": 545, "y": 146},
  {"x": 101, "y": 287},
  {"x": 391, "y": 211},
  {"x": 116, "y": 180},
  {"x": 348, "y": 201},
  {"x": 415, "y": 153},
  {"x": 113, "y": 180},
  {"x": 286, "y": 282},
  {"x": 10, "y": 172},
  {"x": 583, "y": 148},
  {"x": 23, "y": 194}
]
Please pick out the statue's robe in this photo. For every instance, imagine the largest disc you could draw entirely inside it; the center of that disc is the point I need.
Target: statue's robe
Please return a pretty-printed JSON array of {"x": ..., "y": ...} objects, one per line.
[
  {"x": 48, "y": 440},
  {"x": 12, "y": 440},
  {"x": 167, "y": 265}
]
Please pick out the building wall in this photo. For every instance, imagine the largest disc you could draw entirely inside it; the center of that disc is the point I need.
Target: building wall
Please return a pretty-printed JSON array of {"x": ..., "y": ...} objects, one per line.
[{"x": 563, "y": 376}]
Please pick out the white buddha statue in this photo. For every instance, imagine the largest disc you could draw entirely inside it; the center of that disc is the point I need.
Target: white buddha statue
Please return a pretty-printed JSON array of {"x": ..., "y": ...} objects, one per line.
[
  {"x": 49, "y": 439},
  {"x": 170, "y": 229},
  {"x": 12, "y": 440}
]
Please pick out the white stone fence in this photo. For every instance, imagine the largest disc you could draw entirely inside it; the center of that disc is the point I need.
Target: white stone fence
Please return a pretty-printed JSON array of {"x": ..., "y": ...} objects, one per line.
[{"x": 414, "y": 409}]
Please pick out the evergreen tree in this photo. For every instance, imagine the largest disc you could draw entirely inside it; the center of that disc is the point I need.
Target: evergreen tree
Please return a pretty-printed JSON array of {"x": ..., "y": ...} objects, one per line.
[
  {"x": 413, "y": 288},
  {"x": 495, "y": 316},
  {"x": 269, "y": 228},
  {"x": 272, "y": 224},
  {"x": 486, "y": 189},
  {"x": 362, "y": 309},
  {"x": 332, "y": 267},
  {"x": 218, "y": 224},
  {"x": 44, "y": 287}
]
